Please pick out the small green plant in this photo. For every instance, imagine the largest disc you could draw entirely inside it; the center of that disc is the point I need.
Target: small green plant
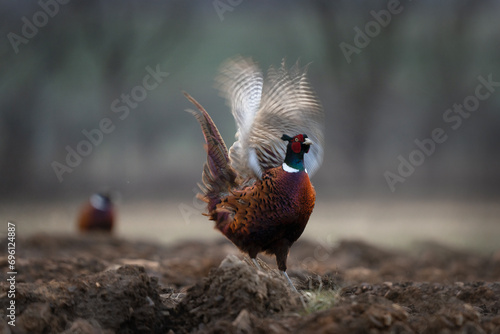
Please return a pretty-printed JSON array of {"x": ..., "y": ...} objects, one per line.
[{"x": 320, "y": 299}]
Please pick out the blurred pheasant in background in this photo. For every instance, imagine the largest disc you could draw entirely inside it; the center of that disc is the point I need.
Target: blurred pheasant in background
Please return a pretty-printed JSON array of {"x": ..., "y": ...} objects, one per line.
[
  {"x": 97, "y": 214},
  {"x": 259, "y": 193}
]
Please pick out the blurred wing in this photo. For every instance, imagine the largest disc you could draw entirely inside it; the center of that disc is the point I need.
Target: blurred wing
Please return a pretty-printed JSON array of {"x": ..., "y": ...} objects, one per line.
[
  {"x": 240, "y": 82},
  {"x": 289, "y": 106},
  {"x": 284, "y": 104}
]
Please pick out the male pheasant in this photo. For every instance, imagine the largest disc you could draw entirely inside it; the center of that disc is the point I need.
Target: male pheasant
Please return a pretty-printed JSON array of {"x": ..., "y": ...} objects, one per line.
[
  {"x": 97, "y": 214},
  {"x": 258, "y": 193}
]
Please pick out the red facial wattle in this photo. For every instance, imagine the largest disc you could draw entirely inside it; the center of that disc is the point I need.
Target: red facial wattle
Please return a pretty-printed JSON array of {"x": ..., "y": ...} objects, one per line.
[
  {"x": 297, "y": 143},
  {"x": 296, "y": 147}
]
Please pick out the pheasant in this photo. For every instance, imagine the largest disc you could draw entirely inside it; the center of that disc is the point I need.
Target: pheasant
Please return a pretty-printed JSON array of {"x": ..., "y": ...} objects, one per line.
[
  {"x": 258, "y": 193},
  {"x": 97, "y": 214}
]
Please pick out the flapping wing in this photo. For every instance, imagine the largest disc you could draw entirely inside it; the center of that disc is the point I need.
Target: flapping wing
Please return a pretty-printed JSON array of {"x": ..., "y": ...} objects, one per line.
[
  {"x": 284, "y": 104},
  {"x": 240, "y": 82}
]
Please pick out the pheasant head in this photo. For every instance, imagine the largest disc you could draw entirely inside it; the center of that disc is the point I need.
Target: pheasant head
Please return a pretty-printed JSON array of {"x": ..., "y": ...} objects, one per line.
[{"x": 296, "y": 148}]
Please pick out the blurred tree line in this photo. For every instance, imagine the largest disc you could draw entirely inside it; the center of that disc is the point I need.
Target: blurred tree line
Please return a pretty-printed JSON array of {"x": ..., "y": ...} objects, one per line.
[{"x": 416, "y": 60}]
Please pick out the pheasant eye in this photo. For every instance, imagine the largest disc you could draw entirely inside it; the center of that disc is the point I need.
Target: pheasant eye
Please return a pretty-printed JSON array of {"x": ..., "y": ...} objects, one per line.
[{"x": 296, "y": 139}]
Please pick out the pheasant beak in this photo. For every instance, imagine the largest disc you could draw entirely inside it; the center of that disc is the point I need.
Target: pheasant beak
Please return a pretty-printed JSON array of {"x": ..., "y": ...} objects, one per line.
[{"x": 307, "y": 141}]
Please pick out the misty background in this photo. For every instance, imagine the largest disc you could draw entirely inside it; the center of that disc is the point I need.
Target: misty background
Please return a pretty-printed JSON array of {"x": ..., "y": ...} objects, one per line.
[{"x": 395, "y": 89}]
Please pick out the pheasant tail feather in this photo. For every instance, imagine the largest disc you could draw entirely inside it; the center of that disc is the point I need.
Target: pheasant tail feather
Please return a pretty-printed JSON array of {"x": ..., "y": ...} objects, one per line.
[{"x": 218, "y": 176}]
